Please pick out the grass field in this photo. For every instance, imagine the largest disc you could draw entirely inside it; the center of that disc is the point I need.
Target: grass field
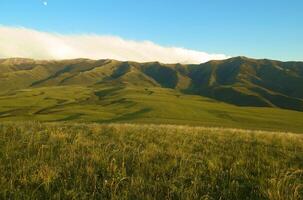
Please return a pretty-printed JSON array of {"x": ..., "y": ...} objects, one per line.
[
  {"x": 124, "y": 161},
  {"x": 105, "y": 103}
]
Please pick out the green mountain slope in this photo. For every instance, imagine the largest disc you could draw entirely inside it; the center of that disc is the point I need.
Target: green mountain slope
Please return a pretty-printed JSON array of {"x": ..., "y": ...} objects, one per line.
[
  {"x": 240, "y": 81},
  {"x": 114, "y": 91},
  {"x": 105, "y": 103},
  {"x": 249, "y": 82}
]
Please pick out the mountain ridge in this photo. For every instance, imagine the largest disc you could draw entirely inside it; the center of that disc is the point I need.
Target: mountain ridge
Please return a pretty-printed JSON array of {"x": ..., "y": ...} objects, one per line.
[{"x": 239, "y": 80}]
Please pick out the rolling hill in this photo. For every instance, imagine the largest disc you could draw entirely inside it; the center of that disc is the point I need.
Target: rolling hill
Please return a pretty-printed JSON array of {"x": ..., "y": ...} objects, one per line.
[{"x": 238, "y": 92}]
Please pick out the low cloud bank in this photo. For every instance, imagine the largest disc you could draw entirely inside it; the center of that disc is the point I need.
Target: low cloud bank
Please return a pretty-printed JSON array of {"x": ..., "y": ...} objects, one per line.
[{"x": 28, "y": 43}]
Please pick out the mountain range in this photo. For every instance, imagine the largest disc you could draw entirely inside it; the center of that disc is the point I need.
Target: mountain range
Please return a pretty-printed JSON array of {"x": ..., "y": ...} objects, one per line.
[{"x": 239, "y": 81}]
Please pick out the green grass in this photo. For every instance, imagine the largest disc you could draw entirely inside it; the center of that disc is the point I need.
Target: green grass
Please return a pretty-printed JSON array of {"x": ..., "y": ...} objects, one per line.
[
  {"x": 131, "y": 104},
  {"x": 123, "y": 161}
]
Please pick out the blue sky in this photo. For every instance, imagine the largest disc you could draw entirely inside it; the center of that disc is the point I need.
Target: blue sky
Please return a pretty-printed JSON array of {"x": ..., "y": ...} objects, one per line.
[{"x": 260, "y": 29}]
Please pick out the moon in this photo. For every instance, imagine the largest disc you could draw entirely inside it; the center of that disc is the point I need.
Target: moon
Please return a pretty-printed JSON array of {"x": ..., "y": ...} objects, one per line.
[{"x": 45, "y": 3}]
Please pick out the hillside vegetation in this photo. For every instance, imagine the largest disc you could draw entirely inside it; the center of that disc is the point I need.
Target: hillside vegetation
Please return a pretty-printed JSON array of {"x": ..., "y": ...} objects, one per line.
[
  {"x": 240, "y": 80},
  {"x": 139, "y": 105},
  {"x": 105, "y": 91},
  {"x": 122, "y": 161}
]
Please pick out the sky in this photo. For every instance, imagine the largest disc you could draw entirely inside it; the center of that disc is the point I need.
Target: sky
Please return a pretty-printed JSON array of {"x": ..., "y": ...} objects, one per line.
[{"x": 144, "y": 30}]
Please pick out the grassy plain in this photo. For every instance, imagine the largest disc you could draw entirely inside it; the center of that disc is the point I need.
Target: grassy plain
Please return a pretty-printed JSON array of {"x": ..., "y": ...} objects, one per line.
[{"x": 127, "y": 161}]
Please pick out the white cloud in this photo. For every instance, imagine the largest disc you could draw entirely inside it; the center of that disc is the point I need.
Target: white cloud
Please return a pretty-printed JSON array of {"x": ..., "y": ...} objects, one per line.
[{"x": 28, "y": 43}]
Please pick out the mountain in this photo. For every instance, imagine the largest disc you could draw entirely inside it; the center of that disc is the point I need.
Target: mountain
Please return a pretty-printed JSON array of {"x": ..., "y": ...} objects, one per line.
[
  {"x": 241, "y": 81},
  {"x": 237, "y": 93},
  {"x": 248, "y": 82}
]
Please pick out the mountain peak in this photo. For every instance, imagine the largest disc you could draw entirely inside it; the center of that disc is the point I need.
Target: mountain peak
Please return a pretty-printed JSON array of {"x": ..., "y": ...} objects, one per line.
[{"x": 241, "y": 58}]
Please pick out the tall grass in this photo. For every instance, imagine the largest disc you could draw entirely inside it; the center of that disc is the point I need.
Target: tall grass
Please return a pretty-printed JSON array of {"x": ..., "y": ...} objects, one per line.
[{"x": 90, "y": 161}]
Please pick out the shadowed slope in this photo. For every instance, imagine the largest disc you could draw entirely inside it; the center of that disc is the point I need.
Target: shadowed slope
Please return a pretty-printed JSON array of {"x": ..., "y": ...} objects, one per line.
[{"x": 249, "y": 82}]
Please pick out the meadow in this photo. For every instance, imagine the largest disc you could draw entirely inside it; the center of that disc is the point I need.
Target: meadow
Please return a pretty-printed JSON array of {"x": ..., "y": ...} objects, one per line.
[
  {"x": 129, "y": 161},
  {"x": 121, "y": 104}
]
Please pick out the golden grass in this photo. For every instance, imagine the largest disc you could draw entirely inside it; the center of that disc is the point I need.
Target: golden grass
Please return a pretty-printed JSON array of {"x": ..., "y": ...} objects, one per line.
[{"x": 129, "y": 161}]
